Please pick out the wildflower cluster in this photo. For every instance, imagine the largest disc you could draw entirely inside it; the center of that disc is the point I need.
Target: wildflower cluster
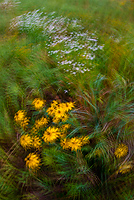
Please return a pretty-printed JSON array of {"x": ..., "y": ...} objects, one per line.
[
  {"x": 84, "y": 42},
  {"x": 74, "y": 143},
  {"x": 28, "y": 142},
  {"x": 59, "y": 111},
  {"x": 50, "y": 128}
]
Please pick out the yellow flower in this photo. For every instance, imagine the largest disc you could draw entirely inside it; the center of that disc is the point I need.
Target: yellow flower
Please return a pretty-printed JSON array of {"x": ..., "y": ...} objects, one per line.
[
  {"x": 65, "y": 143},
  {"x": 54, "y": 103},
  {"x": 38, "y": 103},
  {"x": 52, "y": 108},
  {"x": 20, "y": 115},
  {"x": 121, "y": 150},
  {"x": 21, "y": 119},
  {"x": 36, "y": 142},
  {"x": 26, "y": 141},
  {"x": 85, "y": 140},
  {"x": 60, "y": 117},
  {"x": 51, "y": 134},
  {"x": 75, "y": 144},
  {"x": 98, "y": 152},
  {"x": 34, "y": 130},
  {"x": 40, "y": 122},
  {"x": 64, "y": 118},
  {"x": 59, "y": 111},
  {"x": 51, "y": 111},
  {"x": 125, "y": 168},
  {"x": 63, "y": 130},
  {"x": 68, "y": 106},
  {"x": 60, "y": 114},
  {"x": 64, "y": 127},
  {"x": 33, "y": 161},
  {"x": 24, "y": 123}
]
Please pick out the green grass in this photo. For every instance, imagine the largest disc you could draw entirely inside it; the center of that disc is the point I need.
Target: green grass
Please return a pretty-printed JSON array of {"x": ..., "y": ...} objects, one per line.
[{"x": 103, "y": 96}]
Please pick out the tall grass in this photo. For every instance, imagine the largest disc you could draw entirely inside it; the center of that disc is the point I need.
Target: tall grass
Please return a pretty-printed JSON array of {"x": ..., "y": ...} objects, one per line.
[{"x": 103, "y": 96}]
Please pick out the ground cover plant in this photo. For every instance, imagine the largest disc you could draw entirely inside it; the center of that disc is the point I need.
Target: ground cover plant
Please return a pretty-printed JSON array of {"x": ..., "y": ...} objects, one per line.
[{"x": 67, "y": 99}]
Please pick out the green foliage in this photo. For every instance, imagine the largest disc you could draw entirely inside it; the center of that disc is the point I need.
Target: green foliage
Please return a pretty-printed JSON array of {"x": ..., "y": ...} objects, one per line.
[{"x": 103, "y": 95}]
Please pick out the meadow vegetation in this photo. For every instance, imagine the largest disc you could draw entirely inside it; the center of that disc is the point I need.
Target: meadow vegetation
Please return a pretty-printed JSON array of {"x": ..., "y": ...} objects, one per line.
[{"x": 67, "y": 99}]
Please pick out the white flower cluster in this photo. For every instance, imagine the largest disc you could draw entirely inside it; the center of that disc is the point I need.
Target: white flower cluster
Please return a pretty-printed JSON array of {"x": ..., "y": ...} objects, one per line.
[{"x": 73, "y": 49}]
